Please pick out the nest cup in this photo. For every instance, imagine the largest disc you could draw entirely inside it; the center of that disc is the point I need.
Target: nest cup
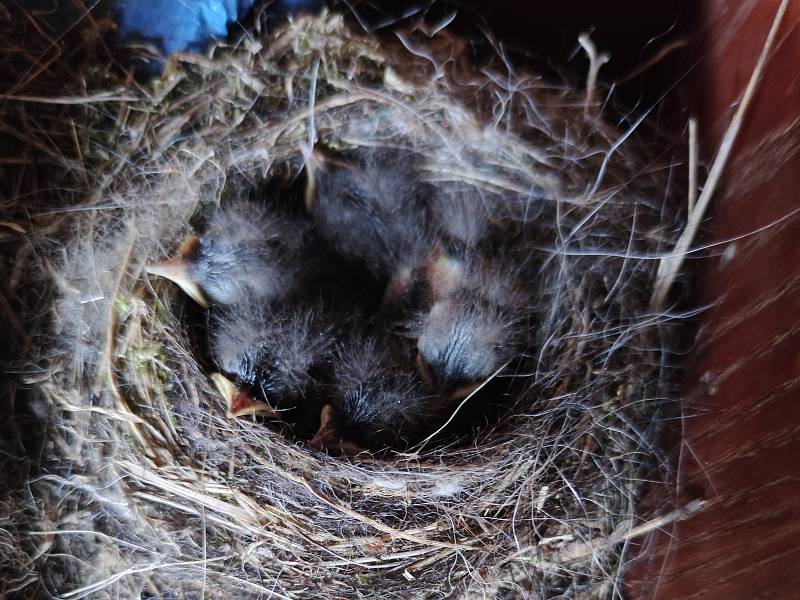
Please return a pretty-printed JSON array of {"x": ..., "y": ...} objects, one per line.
[{"x": 152, "y": 491}]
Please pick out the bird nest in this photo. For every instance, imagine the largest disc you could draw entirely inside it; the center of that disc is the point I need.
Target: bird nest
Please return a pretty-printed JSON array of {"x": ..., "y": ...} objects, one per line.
[{"x": 146, "y": 487}]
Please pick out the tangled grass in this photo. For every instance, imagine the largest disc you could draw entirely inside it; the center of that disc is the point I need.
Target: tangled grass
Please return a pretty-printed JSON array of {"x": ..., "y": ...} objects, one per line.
[{"x": 138, "y": 485}]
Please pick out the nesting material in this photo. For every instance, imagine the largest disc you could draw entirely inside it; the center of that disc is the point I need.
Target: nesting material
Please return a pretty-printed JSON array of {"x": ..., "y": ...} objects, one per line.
[{"x": 152, "y": 489}]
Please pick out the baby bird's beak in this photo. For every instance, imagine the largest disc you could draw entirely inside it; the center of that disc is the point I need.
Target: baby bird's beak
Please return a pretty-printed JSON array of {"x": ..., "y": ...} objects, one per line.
[
  {"x": 176, "y": 269},
  {"x": 239, "y": 401},
  {"x": 328, "y": 437},
  {"x": 465, "y": 390}
]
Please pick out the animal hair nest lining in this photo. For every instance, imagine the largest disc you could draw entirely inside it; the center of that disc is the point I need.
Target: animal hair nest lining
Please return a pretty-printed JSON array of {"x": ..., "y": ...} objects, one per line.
[{"x": 147, "y": 489}]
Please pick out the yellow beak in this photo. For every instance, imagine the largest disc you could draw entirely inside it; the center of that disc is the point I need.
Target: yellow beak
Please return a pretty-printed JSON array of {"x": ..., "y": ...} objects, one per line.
[{"x": 176, "y": 269}]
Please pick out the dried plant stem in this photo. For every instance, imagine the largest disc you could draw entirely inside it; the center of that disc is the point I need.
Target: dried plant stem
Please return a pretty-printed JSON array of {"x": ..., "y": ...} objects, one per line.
[
  {"x": 693, "y": 166},
  {"x": 596, "y": 61},
  {"x": 572, "y": 553},
  {"x": 670, "y": 266},
  {"x": 112, "y": 96}
]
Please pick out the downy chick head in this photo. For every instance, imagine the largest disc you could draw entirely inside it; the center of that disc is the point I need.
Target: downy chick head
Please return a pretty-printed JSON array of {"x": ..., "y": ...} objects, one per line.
[
  {"x": 464, "y": 339},
  {"x": 373, "y": 208},
  {"x": 376, "y": 400},
  {"x": 269, "y": 352},
  {"x": 475, "y": 325},
  {"x": 246, "y": 251}
]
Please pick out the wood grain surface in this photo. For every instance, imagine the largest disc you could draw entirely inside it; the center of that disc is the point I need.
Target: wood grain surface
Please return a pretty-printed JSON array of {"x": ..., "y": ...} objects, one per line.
[{"x": 741, "y": 405}]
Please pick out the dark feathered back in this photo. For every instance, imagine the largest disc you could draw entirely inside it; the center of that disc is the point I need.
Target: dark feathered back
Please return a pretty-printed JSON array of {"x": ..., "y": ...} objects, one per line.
[
  {"x": 378, "y": 398},
  {"x": 375, "y": 210}
]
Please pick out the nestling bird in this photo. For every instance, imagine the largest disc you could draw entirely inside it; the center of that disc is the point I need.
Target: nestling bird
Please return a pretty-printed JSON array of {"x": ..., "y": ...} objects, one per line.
[
  {"x": 246, "y": 251},
  {"x": 373, "y": 208},
  {"x": 269, "y": 352},
  {"x": 463, "y": 226},
  {"x": 377, "y": 400},
  {"x": 476, "y": 322}
]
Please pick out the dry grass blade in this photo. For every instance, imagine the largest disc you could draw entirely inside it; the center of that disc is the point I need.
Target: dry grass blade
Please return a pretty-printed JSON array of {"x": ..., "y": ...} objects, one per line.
[{"x": 670, "y": 266}]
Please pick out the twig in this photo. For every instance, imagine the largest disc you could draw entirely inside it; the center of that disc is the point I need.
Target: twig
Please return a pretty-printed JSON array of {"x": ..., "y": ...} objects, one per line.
[
  {"x": 71, "y": 100},
  {"x": 665, "y": 50},
  {"x": 670, "y": 266},
  {"x": 693, "y": 147},
  {"x": 107, "y": 372},
  {"x": 595, "y": 62},
  {"x": 312, "y": 99},
  {"x": 573, "y": 552}
]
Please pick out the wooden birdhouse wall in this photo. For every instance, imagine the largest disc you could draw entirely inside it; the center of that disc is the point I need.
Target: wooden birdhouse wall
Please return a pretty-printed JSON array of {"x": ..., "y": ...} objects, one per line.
[{"x": 741, "y": 401}]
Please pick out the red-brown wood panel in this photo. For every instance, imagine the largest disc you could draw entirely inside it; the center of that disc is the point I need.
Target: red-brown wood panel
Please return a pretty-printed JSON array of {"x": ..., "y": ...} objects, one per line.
[{"x": 741, "y": 445}]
